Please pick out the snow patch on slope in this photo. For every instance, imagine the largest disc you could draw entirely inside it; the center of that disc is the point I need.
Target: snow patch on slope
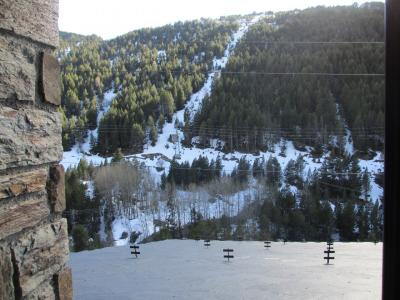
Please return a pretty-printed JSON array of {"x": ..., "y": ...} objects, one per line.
[
  {"x": 79, "y": 151},
  {"x": 373, "y": 166}
]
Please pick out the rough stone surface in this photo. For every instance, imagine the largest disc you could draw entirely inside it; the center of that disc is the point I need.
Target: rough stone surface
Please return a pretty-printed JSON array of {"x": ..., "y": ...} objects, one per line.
[
  {"x": 56, "y": 188},
  {"x": 17, "y": 69},
  {"x": 6, "y": 273},
  {"x": 33, "y": 241},
  {"x": 50, "y": 81},
  {"x": 16, "y": 216},
  {"x": 44, "y": 292},
  {"x": 64, "y": 281},
  {"x": 29, "y": 136},
  {"x": 35, "y": 19},
  {"x": 40, "y": 254},
  {"x": 18, "y": 184}
]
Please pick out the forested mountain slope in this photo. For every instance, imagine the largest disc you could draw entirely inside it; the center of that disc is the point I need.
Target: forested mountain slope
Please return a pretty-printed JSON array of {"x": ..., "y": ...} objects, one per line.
[
  {"x": 249, "y": 107},
  {"x": 206, "y": 141},
  {"x": 152, "y": 71}
]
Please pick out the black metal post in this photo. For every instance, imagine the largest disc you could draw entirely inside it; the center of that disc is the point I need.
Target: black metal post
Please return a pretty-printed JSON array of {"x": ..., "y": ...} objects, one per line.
[
  {"x": 328, "y": 252},
  {"x": 228, "y": 253},
  {"x": 267, "y": 244},
  {"x": 135, "y": 250}
]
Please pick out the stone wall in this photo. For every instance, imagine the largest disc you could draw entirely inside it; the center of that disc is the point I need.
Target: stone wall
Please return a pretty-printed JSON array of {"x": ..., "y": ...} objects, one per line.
[{"x": 33, "y": 234}]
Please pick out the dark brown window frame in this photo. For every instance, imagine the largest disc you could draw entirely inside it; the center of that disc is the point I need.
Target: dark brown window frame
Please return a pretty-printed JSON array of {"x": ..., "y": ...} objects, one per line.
[{"x": 391, "y": 252}]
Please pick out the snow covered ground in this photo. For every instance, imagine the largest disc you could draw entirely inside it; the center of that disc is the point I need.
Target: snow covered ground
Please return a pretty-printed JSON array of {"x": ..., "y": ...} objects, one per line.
[
  {"x": 143, "y": 224},
  {"x": 176, "y": 269}
]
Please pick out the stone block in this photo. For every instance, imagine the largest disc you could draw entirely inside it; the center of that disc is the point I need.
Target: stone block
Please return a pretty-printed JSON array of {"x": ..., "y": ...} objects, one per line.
[
  {"x": 17, "y": 69},
  {"x": 64, "y": 281},
  {"x": 56, "y": 188},
  {"x": 16, "y": 216},
  {"x": 23, "y": 183},
  {"x": 29, "y": 136},
  {"x": 44, "y": 292},
  {"x": 50, "y": 81},
  {"x": 6, "y": 273},
  {"x": 35, "y": 19},
  {"x": 40, "y": 254}
]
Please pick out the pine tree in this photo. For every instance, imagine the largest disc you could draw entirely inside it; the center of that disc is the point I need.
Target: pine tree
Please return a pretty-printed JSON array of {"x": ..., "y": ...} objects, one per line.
[
  {"x": 366, "y": 185},
  {"x": 167, "y": 104},
  {"x": 243, "y": 169},
  {"x": 218, "y": 167},
  {"x": 347, "y": 222},
  {"x": 153, "y": 135},
  {"x": 118, "y": 156},
  {"x": 163, "y": 181},
  {"x": 273, "y": 172},
  {"x": 362, "y": 217},
  {"x": 376, "y": 223},
  {"x": 92, "y": 142},
  {"x": 80, "y": 238},
  {"x": 161, "y": 122}
]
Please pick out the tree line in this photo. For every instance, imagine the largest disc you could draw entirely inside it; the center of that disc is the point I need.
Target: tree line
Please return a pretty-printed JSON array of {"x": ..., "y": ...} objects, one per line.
[{"x": 256, "y": 201}]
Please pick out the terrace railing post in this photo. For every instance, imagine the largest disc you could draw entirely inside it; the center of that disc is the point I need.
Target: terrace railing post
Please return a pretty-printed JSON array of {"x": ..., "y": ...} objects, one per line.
[
  {"x": 135, "y": 250},
  {"x": 228, "y": 253},
  {"x": 328, "y": 252},
  {"x": 267, "y": 244}
]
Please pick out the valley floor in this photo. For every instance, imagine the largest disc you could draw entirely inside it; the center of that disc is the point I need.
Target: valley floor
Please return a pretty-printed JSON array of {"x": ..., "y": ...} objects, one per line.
[{"x": 176, "y": 269}]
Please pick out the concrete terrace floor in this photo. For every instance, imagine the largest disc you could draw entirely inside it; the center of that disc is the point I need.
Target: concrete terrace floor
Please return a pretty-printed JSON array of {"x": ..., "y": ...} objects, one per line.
[{"x": 185, "y": 269}]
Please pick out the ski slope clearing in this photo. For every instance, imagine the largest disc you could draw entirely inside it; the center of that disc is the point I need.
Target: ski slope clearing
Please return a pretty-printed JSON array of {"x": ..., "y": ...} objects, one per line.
[{"x": 177, "y": 269}]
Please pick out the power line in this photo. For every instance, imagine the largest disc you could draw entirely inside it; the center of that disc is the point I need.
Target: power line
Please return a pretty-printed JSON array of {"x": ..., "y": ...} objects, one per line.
[
  {"x": 235, "y": 134},
  {"x": 245, "y": 41},
  {"x": 338, "y": 186},
  {"x": 269, "y": 42},
  {"x": 247, "y": 128},
  {"x": 251, "y": 139},
  {"x": 277, "y": 74},
  {"x": 243, "y": 129},
  {"x": 312, "y": 74},
  {"x": 73, "y": 212},
  {"x": 235, "y": 169}
]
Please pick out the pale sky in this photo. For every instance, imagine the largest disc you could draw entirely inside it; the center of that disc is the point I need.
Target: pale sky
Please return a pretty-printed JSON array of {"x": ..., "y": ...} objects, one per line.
[{"x": 110, "y": 18}]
